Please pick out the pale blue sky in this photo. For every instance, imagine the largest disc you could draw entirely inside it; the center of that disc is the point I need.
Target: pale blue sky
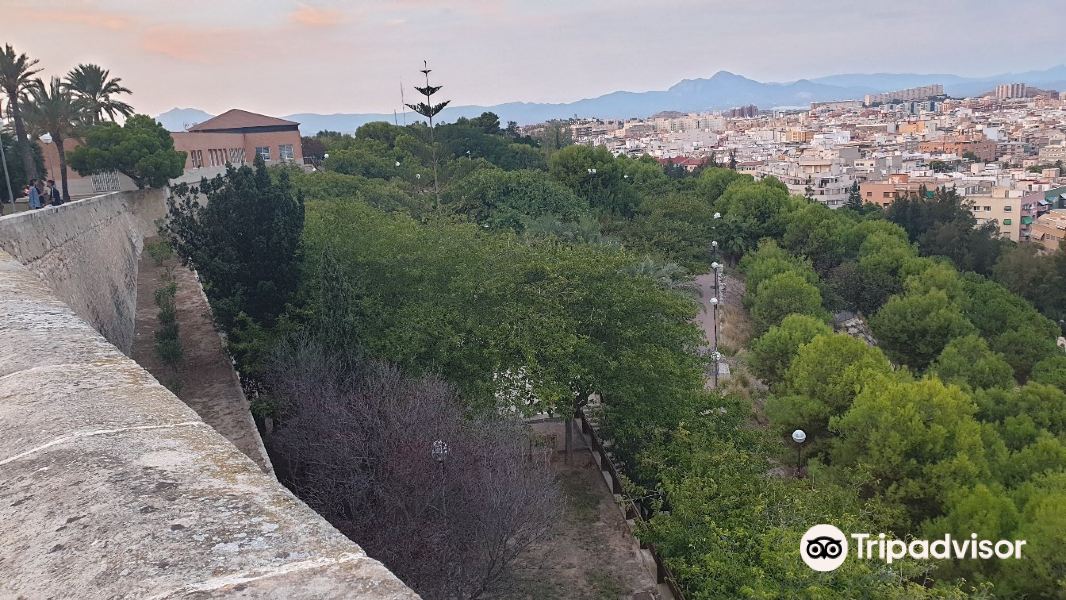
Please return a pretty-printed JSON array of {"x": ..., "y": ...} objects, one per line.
[{"x": 281, "y": 57}]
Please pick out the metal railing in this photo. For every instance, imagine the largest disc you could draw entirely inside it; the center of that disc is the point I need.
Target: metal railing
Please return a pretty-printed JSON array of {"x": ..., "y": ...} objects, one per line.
[{"x": 629, "y": 507}]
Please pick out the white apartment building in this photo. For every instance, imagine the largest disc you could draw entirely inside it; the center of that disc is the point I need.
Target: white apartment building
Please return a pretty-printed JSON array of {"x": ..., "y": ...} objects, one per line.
[{"x": 827, "y": 180}]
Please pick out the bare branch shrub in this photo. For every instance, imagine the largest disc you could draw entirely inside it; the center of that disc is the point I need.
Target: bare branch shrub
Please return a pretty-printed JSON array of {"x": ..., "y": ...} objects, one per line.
[{"x": 355, "y": 442}]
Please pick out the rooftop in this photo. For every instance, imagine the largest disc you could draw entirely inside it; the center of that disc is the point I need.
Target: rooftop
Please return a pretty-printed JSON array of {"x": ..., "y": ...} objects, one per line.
[{"x": 241, "y": 119}]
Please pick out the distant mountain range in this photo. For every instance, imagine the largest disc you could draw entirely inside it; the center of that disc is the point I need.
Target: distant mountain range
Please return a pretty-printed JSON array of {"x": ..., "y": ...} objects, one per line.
[{"x": 722, "y": 90}]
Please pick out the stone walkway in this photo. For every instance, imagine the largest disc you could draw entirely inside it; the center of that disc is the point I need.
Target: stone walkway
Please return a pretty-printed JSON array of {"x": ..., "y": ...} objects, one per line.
[{"x": 205, "y": 380}]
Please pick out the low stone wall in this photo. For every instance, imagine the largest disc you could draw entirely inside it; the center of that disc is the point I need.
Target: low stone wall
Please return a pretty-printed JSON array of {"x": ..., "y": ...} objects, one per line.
[
  {"x": 87, "y": 251},
  {"x": 114, "y": 488}
]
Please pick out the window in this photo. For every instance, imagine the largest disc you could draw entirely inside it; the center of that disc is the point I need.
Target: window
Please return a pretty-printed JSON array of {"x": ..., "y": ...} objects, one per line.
[
  {"x": 263, "y": 151},
  {"x": 105, "y": 182},
  {"x": 988, "y": 208},
  {"x": 1008, "y": 208},
  {"x": 285, "y": 152},
  {"x": 1006, "y": 221}
]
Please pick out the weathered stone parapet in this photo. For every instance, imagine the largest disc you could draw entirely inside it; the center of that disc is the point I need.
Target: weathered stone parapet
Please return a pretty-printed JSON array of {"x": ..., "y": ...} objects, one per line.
[
  {"x": 111, "y": 487},
  {"x": 87, "y": 252}
]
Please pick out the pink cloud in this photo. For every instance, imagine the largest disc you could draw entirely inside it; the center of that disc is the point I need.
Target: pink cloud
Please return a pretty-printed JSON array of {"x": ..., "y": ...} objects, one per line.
[
  {"x": 199, "y": 44},
  {"x": 310, "y": 16},
  {"x": 90, "y": 18}
]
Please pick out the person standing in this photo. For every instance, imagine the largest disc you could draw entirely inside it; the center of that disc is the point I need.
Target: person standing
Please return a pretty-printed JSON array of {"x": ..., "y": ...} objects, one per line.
[
  {"x": 35, "y": 195},
  {"x": 57, "y": 197}
]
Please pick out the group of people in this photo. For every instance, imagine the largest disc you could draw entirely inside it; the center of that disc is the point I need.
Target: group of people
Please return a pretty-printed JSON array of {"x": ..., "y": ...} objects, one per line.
[{"x": 43, "y": 193}]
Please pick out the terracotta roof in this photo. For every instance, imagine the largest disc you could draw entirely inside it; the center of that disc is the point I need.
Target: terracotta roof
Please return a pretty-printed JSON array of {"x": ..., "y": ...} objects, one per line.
[{"x": 239, "y": 119}]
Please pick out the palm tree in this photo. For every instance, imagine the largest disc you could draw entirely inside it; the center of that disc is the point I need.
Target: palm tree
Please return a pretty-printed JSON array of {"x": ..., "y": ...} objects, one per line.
[
  {"x": 670, "y": 276},
  {"x": 54, "y": 110},
  {"x": 93, "y": 86},
  {"x": 15, "y": 79}
]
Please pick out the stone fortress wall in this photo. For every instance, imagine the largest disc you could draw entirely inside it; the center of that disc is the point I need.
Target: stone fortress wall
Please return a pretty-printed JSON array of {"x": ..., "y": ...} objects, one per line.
[
  {"x": 87, "y": 251},
  {"x": 110, "y": 486}
]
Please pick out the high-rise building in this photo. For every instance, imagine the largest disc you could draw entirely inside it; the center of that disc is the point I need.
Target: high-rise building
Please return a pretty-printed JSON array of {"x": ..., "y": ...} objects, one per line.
[
  {"x": 917, "y": 93},
  {"x": 1010, "y": 90},
  {"x": 744, "y": 112}
]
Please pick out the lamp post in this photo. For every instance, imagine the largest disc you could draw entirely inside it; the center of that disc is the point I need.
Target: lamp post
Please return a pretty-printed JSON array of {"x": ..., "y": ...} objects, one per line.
[
  {"x": 798, "y": 436},
  {"x": 7, "y": 176},
  {"x": 717, "y": 356},
  {"x": 714, "y": 329},
  {"x": 717, "y": 268},
  {"x": 439, "y": 452}
]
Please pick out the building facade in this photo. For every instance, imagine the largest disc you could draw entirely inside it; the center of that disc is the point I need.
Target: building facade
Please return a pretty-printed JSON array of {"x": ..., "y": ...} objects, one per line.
[
  {"x": 236, "y": 137},
  {"x": 1010, "y": 90},
  {"x": 1049, "y": 230},
  {"x": 916, "y": 93},
  {"x": 232, "y": 138},
  {"x": 984, "y": 149}
]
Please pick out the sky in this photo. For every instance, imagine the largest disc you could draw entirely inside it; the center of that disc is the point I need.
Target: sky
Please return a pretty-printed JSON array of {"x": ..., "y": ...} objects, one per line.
[{"x": 281, "y": 57}]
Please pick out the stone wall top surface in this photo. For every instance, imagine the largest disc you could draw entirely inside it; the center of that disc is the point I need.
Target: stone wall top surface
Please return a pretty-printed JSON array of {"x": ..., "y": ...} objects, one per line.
[{"x": 110, "y": 487}]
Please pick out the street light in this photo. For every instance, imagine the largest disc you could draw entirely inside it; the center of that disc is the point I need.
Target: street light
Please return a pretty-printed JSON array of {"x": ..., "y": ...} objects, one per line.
[
  {"x": 439, "y": 451},
  {"x": 717, "y": 356},
  {"x": 798, "y": 436},
  {"x": 714, "y": 329},
  {"x": 7, "y": 176},
  {"x": 717, "y": 268}
]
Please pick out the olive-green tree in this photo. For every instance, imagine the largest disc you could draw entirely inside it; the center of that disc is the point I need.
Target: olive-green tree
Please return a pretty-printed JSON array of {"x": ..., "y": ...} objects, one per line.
[{"x": 141, "y": 148}]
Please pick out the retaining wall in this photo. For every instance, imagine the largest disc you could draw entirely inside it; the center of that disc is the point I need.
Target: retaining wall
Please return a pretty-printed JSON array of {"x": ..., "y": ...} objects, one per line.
[
  {"x": 111, "y": 487},
  {"x": 87, "y": 251}
]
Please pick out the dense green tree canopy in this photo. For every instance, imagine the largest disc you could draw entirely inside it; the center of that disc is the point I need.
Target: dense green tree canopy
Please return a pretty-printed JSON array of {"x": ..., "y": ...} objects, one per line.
[
  {"x": 782, "y": 295},
  {"x": 501, "y": 199},
  {"x": 968, "y": 361},
  {"x": 140, "y": 148},
  {"x": 242, "y": 233},
  {"x": 495, "y": 315},
  {"x": 596, "y": 176},
  {"x": 772, "y": 353},
  {"x": 822, "y": 381},
  {"x": 916, "y": 440},
  {"x": 914, "y": 328},
  {"x": 1051, "y": 370}
]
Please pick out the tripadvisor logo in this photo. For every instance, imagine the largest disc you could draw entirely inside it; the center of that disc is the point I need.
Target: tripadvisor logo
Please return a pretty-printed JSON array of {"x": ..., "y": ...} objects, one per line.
[{"x": 824, "y": 548}]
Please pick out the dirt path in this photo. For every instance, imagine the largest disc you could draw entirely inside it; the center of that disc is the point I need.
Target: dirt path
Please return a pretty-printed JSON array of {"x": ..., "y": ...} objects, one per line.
[
  {"x": 590, "y": 555},
  {"x": 205, "y": 379}
]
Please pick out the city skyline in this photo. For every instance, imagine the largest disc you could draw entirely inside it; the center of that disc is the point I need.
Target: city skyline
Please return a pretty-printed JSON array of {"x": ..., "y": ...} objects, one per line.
[{"x": 273, "y": 57}]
